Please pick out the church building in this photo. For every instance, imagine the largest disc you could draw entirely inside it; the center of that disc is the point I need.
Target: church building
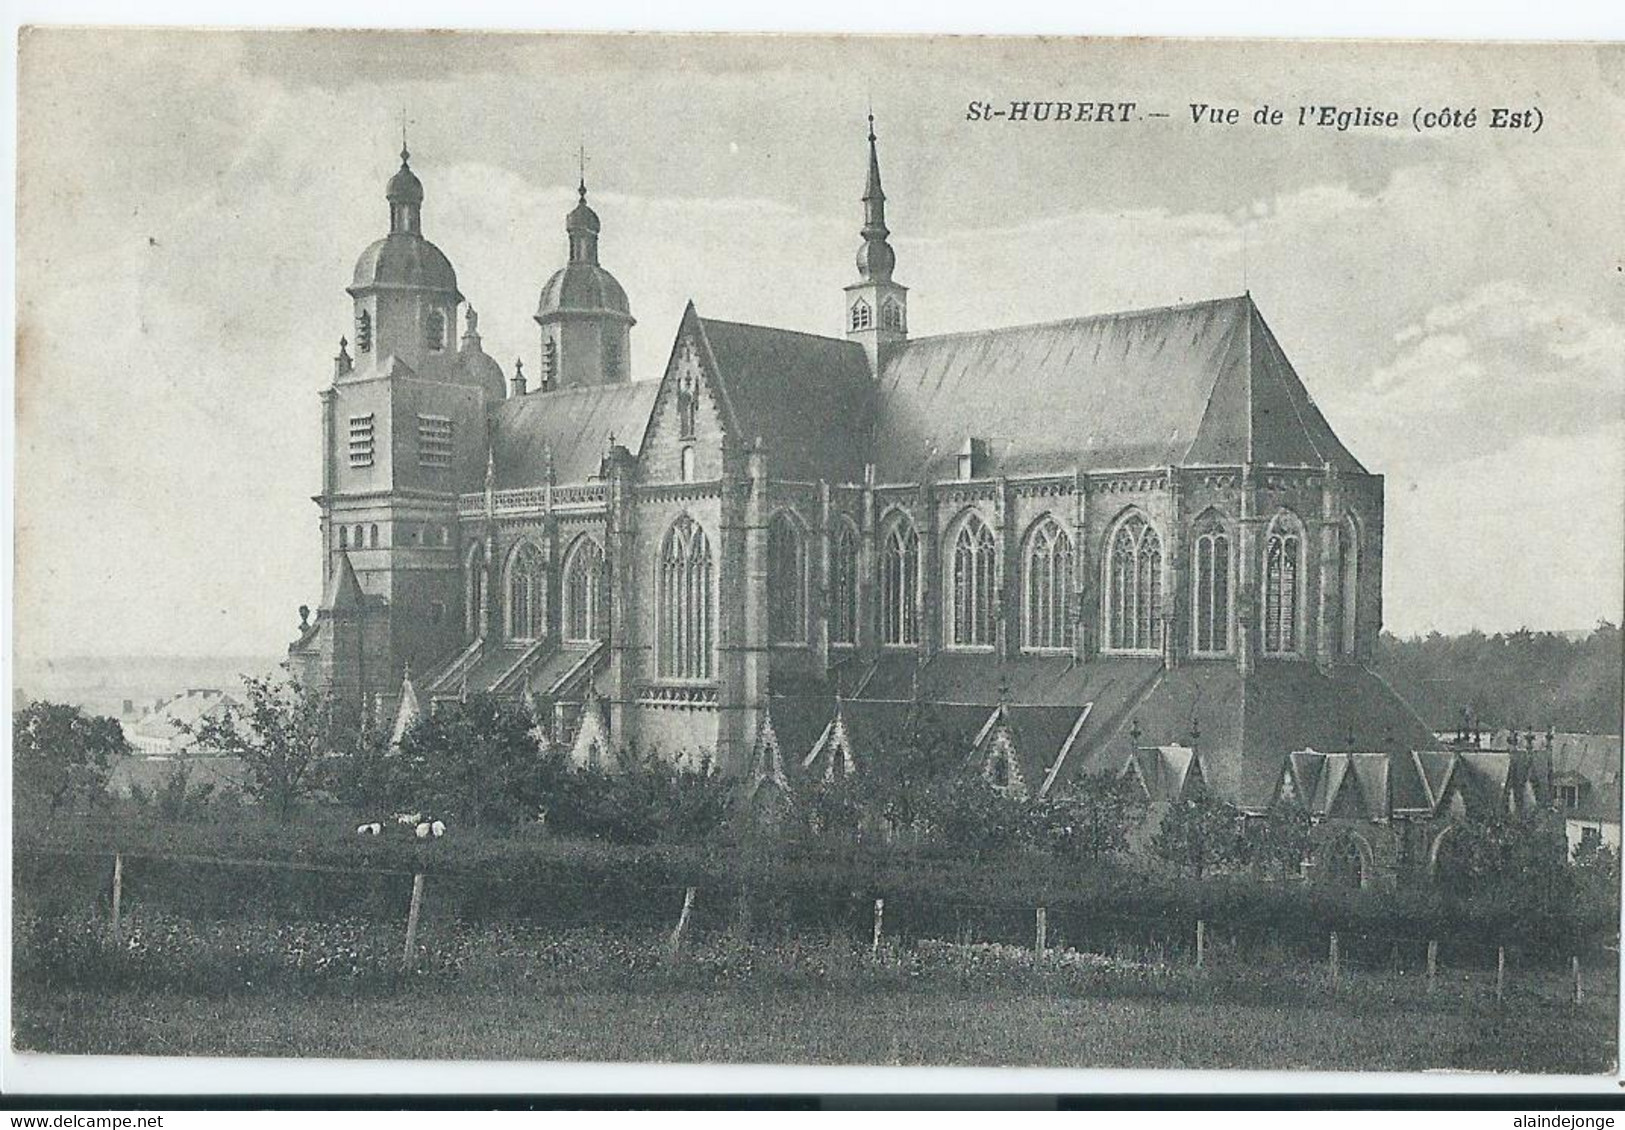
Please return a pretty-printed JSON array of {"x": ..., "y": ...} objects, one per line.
[{"x": 1119, "y": 544}]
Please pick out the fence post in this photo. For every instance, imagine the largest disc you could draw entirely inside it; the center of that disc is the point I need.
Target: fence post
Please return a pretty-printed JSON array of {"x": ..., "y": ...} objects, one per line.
[
  {"x": 412, "y": 915},
  {"x": 880, "y": 917},
  {"x": 1042, "y": 930},
  {"x": 1201, "y": 942},
  {"x": 1579, "y": 989},
  {"x": 1334, "y": 959},
  {"x": 118, "y": 897},
  {"x": 682, "y": 921},
  {"x": 1500, "y": 971},
  {"x": 1433, "y": 964}
]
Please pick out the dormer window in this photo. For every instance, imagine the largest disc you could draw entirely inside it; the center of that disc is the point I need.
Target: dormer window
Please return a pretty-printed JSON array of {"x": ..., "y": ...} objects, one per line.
[
  {"x": 363, "y": 332},
  {"x": 972, "y": 459},
  {"x": 434, "y": 331},
  {"x": 863, "y": 316}
]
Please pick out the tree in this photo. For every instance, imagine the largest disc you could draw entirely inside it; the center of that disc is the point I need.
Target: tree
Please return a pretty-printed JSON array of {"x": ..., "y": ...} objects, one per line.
[
  {"x": 60, "y": 753},
  {"x": 1198, "y": 832},
  {"x": 1277, "y": 841},
  {"x": 477, "y": 762},
  {"x": 1093, "y": 820},
  {"x": 282, "y": 735},
  {"x": 361, "y": 774}
]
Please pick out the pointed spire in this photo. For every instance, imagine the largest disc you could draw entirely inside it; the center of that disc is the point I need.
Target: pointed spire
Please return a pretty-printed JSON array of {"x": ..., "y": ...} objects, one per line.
[
  {"x": 876, "y": 259},
  {"x": 516, "y": 386},
  {"x": 409, "y": 711},
  {"x": 344, "y": 591}
]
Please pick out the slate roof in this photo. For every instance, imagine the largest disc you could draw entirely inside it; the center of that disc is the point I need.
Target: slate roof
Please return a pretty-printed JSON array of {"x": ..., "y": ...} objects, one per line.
[
  {"x": 1246, "y": 727},
  {"x": 404, "y": 259},
  {"x": 809, "y": 398},
  {"x": 1203, "y": 383},
  {"x": 572, "y": 423}
]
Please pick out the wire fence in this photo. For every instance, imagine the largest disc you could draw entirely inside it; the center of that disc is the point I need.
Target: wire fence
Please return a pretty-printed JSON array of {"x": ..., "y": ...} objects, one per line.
[{"x": 422, "y": 905}]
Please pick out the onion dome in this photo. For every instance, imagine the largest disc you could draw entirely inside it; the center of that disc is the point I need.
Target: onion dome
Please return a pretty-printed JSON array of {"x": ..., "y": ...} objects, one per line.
[
  {"x": 581, "y": 286},
  {"x": 401, "y": 259},
  {"x": 404, "y": 258},
  {"x": 404, "y": 187}
]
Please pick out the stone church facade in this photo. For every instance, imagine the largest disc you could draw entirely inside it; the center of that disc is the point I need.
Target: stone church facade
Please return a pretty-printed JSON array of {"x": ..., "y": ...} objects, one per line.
[{"x": 1118, "y": 544}]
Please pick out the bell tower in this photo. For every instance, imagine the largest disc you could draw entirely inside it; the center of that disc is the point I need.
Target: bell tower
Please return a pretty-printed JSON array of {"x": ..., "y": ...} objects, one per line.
[{"x": 876, "y": 307}]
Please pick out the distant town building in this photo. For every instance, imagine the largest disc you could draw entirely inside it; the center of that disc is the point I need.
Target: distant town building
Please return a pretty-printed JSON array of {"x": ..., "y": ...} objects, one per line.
[{"x": 158, "y": 733}]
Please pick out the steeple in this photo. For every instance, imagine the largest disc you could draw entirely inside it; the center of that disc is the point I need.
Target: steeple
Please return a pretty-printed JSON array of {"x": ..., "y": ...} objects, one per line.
[
  {"x": 876, "y": 307},
  {"x": 876, "y": 259}
]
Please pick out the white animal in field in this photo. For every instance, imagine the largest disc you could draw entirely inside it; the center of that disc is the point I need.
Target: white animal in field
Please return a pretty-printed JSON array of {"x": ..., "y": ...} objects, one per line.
[
  {"x": 423, "y": 830},
  {"x": 409, "y": 818},
  {"x": 373, "y": 829},
  {"x": 438, "y": 828}
]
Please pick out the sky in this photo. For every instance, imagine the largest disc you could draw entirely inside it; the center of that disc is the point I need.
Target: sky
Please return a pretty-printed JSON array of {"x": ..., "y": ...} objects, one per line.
[{"x": 191, "y": 204}]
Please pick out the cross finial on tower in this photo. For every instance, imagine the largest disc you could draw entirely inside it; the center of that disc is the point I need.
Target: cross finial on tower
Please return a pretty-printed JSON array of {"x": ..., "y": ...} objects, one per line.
[
  {"x": 405, "y": 153},
  {"x": 581, "y": 184}
]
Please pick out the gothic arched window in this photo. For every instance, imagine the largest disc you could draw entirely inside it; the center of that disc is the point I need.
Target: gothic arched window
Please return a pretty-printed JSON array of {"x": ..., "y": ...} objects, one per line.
[
  {"x": 344, "y": 537},
  {"x": 363, "y": 331},
  {"x": 786, "y": 581},
  {"x": 474, "y": 591},
  {"x": 1283, "y": 565},
  {"x": 1134, "y": 587},
  {"x": 1210, "y": 587},
  {"x": 527, "y": 594},
  {"x": 862, "y": 315},
  {"x": 900, "y": 584},
  {"x": 684, "y": 602},
  {"x": 372, "y": 536},
  {"x": 584, "y": 619},
  {"x": 1349, "y": 546},
  {"x": 973, "y": 573},
  {"x": 434, "y": 330},
  {"x": 1046, "y": 585},
  {"x": 843, "y": 585},
  {"x": 891, "y": 314}
]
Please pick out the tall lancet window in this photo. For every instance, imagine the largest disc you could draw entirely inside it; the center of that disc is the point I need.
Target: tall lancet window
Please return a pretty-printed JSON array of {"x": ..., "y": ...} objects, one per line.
[
  {"x": 474, "y": 591},
  {"x": 434, "y": 330},
  {"x": 1283, "y": 565},
  {"x": 584, "y": 618},
  {"x": 900, "y": 584},
  {"x": 1349, "y": 545},
  {"x": 1046, "y": 586},
  {"x": 527, "y": 594},
  {"x": 684, "y": 602},
  {"x": 363, "y": 332},
  {"x": 1210, "y": 587},
  {"x": 843, "y": 585},
  {"x": 973, "y": 574},
  {"x": 1134, "y": 587},
  {"x": 786, "y": 581}
]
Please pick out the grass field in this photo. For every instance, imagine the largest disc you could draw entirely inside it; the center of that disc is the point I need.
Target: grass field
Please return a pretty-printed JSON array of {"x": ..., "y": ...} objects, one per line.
[{"x": 846, "y": 1024}]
